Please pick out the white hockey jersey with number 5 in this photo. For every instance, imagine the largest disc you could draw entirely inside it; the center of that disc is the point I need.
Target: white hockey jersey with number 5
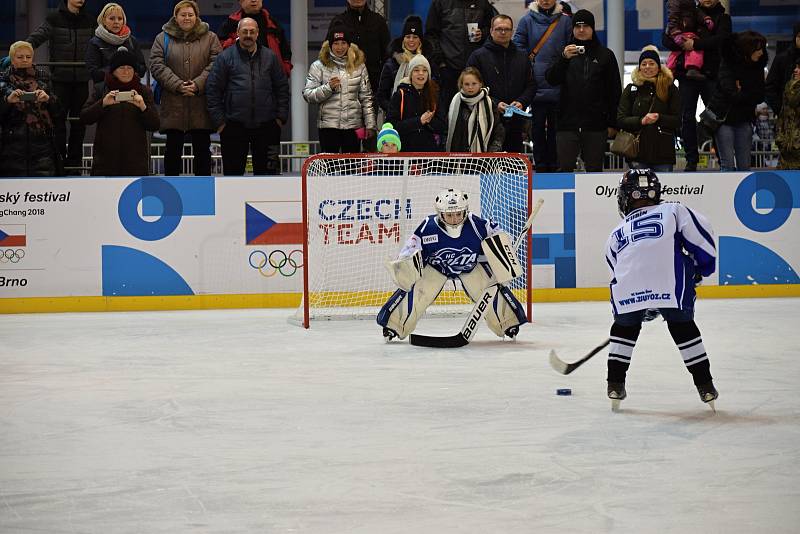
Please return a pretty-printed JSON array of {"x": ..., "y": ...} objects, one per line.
[{"x": 654, "y": 255}]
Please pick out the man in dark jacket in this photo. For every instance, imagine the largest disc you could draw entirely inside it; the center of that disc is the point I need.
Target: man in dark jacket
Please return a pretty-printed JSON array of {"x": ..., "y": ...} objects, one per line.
[
  {"x": 248, "y": 101},
  {"x": 454, "y": 29},
  {"x": 781, "y": 71},
  {"x": 588, "y": 74},
  {"x": 710, "y": 42},
  {"x": 68, "y": 29},
  {"x": 506, "y": 71},
  {"x": 370, "y": 33}
]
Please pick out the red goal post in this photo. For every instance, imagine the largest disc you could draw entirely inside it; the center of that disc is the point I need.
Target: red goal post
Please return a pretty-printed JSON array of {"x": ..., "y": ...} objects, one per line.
[{"x": 358, "y": 210}]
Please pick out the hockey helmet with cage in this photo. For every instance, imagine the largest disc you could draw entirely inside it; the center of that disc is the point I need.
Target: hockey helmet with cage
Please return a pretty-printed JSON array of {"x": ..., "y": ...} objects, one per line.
[
  {"x": 452, "y": 201},
  {"x": 637, "y": 184}
]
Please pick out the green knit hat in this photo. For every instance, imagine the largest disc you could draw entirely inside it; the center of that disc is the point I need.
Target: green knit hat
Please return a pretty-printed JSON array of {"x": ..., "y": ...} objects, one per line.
[{"x": 388, "y": 135}]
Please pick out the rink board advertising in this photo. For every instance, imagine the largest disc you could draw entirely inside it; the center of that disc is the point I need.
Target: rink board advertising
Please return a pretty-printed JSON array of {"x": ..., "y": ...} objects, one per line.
[{"x": 194, "y": 236}]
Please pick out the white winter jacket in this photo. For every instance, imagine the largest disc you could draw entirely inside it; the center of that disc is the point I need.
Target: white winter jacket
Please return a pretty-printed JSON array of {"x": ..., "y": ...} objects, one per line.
[{"x": 351, "y": 105}]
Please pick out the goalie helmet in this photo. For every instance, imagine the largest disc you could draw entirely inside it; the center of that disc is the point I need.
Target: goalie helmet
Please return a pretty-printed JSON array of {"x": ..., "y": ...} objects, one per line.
[
  {"x": 452, "y": 201},
  {"x": 637, "y": 184}
]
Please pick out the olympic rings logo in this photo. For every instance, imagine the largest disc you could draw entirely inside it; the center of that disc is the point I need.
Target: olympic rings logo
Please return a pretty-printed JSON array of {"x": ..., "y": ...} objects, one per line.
[
  {"x": 11, "y": 255},
  {"x": 276, "y": 262}
]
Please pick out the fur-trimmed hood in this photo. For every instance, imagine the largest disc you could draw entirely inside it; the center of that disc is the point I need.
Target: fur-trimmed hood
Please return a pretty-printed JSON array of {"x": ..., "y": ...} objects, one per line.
[
  {"x": 638, "y": 80},
  {"x": 175, "y": 31},
  {"x": 534, "y": 6},
  {"x": 354, "y": 58}
]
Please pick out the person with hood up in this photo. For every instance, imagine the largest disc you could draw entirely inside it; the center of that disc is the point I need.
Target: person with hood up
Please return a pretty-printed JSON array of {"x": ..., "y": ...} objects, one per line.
[
  {"x": 739, "y": 89},
  {"x": 415, "y": 109},
  {"x": 338, "y": 81},
  {"x": 180, "y": 61},
  {"x": 588, "y": 75},
  {"x": 650, "y": 107},
  {"x": 124, "y": 111}
]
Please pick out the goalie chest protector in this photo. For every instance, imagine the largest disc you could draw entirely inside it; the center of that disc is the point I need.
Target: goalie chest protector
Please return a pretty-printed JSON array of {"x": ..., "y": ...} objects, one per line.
[{"x": 453, "y": 256}]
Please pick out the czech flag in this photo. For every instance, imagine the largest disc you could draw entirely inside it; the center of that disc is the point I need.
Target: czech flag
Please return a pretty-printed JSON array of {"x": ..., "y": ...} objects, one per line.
[
  {"x": 12, "y": 235},
  {"x": 274, "y": 223}
]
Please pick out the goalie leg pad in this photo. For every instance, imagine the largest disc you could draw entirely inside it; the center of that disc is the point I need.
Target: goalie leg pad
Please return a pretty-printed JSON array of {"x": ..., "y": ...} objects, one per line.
[
  {"x": 405, "y": 272},
  {"x": 404, "y": 309},
  {"x": 502, "y": 257},
  {"x": 506, "y": 310}
]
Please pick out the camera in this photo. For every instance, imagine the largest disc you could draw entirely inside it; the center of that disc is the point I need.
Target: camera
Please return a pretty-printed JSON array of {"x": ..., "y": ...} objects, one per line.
[
  {"x": 581, "y": 49},
  {"x": 28, "y": 96},
  {"x": 124, "y": 96}
]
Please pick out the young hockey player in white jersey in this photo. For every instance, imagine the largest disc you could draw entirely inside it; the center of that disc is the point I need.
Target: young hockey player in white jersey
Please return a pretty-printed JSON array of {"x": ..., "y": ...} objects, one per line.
[
  {"x": 656, "y": 255},
  {"x": 451, "y": 244}
]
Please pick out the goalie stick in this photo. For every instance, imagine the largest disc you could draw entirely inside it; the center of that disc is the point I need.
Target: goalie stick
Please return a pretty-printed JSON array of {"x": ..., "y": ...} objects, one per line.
[
  {"x": 481, "y": 305},
  {"x": 566, "y": 368}
]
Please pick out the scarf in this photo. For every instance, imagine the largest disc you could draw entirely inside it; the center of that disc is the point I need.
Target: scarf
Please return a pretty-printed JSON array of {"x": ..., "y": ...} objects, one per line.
[
  {"x": 114, "y": 84},
  {"x": 37, "y": 116},
  {"x": 480, "y": 122},
  {"x": 113, "y": 38}
]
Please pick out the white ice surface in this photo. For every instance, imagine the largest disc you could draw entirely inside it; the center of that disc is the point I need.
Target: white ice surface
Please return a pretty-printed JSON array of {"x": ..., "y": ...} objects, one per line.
[{"x": 236, "y": 421}]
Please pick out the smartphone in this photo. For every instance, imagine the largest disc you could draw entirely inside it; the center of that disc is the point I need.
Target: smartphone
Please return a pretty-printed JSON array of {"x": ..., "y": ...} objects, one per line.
[
  {"x": 124, "y": 96},
  {"x": 28, "y": 96}
]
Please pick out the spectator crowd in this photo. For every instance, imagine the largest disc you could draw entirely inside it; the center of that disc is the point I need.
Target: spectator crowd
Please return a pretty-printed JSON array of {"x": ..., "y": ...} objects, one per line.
[{"x": 463, "y": 80}]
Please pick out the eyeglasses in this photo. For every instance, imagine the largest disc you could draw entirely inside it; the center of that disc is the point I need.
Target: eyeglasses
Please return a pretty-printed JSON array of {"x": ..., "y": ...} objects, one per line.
[{"x": 501, "y": 30}]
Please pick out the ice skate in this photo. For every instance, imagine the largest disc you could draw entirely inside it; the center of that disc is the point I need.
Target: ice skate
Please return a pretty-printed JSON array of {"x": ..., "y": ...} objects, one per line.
[
  {"x": 617, "y": 393},
  {"x": 388, "y": 334},
  {"x": 512, "y": 332},
  {"x": 708, "y": 394}
]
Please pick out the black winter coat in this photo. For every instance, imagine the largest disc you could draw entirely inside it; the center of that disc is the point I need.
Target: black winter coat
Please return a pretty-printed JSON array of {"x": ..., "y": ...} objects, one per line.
[
  {"x": 371, "y": 34},
  {"x": 23, "y": 152},
  {"x": 249, "y": 89},
  {"x": 709, "y": 42},
  {"x": 404, "y": 113},
  {"x": 779, "y": 73},
  {"x": 99, "y": 52},
  {"x": 446, "y": 30},
  {"x": 68, "y": 35},
  {"x": 738, "y": 102},
  {"x": 505, "y": 71},
  {"x": 590, "y": 88},
  {"x": 656, "y": 141}
]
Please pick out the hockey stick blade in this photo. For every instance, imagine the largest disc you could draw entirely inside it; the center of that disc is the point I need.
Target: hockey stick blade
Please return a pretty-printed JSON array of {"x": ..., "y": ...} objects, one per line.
[
  {"x": 566, "y": 368},
  {"x": 446, "y": 342}
]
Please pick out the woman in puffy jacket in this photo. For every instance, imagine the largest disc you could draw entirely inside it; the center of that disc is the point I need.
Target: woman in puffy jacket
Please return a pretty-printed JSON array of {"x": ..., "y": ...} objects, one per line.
[
  {"x": 28, "y": 113},
  {"x": 112, "y": 32},
  {"x": 339, "y": 83},
  {"x": 180, "y": 60},
  {"x": 650, "y": 107}
]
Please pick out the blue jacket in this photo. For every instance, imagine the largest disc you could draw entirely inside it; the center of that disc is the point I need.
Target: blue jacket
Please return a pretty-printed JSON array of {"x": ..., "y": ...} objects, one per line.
[
  {"x": 530, "y": 29},
  {"x": 250, "y": 90}
]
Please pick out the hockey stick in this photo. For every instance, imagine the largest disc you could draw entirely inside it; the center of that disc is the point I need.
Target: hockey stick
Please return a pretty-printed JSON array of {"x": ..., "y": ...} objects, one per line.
[
  {"x": 566, "y": 368},
  {"x": 481, "y": 305}
]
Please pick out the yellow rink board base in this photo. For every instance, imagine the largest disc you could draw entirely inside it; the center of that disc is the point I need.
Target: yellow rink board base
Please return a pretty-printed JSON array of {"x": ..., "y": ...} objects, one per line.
[{"x": 292, "y": 300}]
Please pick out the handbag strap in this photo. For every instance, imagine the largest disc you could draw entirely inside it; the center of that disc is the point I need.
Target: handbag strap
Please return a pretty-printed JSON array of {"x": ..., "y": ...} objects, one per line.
[{"x": 546, "y": 35}]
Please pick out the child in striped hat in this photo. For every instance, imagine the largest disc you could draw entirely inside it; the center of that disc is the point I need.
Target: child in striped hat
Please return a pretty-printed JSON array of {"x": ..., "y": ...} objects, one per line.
[{"x": 388, "y": 139}]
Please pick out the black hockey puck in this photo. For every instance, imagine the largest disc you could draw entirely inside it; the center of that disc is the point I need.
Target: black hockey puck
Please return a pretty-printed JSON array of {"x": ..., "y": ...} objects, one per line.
[{"x": 564, "y": 392}]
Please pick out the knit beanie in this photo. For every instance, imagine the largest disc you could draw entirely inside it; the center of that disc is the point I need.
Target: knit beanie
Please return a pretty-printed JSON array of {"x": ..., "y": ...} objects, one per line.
[
  {"x": 412, "y": 26},
  {"x": 121, "y": 57},
  {"x": 582, "y": 16},
  {"x": 419, "y": 61},
  {"x": 339, "y": 33},
  {"x": 650, "y": 52},
  {"x": 388, "y": 135}
]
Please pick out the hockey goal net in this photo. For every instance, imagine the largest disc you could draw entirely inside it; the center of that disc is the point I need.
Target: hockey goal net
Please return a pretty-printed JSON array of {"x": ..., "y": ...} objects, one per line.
[{"x": 359, "y": 209}]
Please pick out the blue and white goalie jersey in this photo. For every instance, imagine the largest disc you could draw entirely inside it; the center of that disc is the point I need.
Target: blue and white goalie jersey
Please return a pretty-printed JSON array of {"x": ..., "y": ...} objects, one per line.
[
  {"x": 451, "y": 256},
  {"x": 645, "y": 253}
]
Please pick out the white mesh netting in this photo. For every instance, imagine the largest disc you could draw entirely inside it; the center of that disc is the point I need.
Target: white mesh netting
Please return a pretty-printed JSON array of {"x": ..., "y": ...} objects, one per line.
[{"x": 360, "y": 211}]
